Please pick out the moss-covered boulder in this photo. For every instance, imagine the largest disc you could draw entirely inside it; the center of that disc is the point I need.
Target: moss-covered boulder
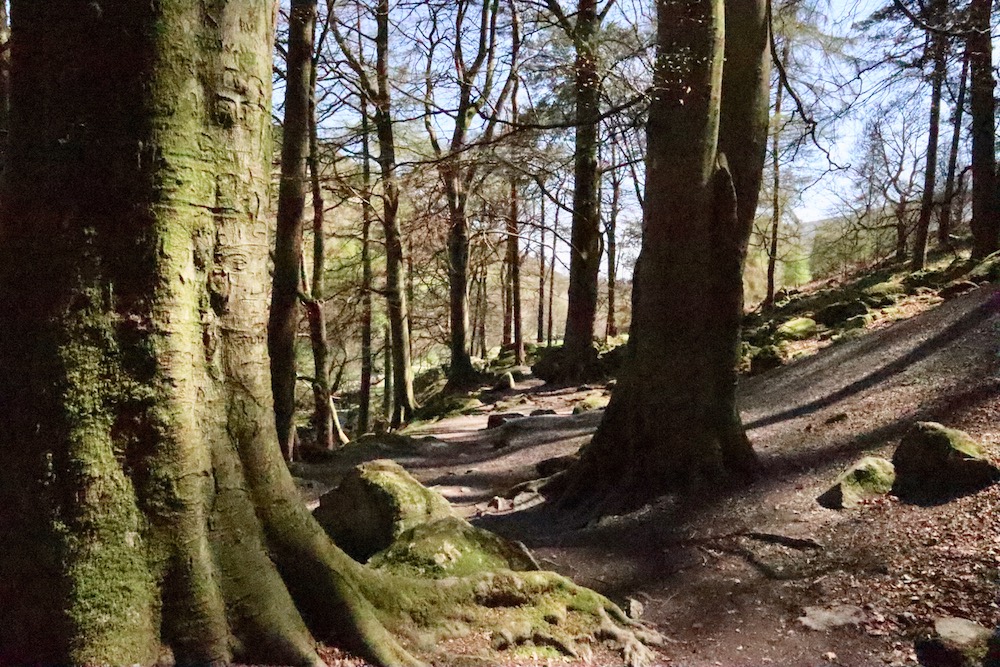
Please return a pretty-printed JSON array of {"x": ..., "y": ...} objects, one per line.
[
  {"x": 445, "y": 404},
  {"x": 374, "y": 504},
  {"x": 858, "y": 321},
  {"x": 955, "y": 642},
  {"x": 451, "y": 547},
  {"x": 933, "y": 461},
  {"x": 957, "y": 288},
  {"x": 591, "y": 402},
  {"x": 883, "y": 294},
  {"x": 987, "y": 270},
  {"x": 505, "y": 383},
  {"x": 765, "y": 359},
  {"x": 839, "y": 312},
  {"x": 868, "y": 478},
  {"x": 798, "y": 328}
]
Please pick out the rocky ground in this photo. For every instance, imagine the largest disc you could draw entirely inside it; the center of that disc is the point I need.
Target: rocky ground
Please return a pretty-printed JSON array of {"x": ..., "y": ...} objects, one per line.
[{"x": 767, "y": 575}]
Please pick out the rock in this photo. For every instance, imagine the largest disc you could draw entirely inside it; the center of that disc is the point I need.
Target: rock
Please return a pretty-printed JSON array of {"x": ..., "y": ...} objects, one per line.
[
  {"x": 765, "y": 359},
  {"x": 955, "y": 642},
  {"x": 883, "y": 294},
  {"x": 549, "y": 467},
  {"x": 505, "y": 383},
  {"x": 634, "y": 609},
  {"x": 452, "y": 547},
  {"x": 934, "y": 462},
  {"x": 501, "y": 418},
  {"x": 798, "y": 328},
  {"x": 592, "y": 402},
  {"x": 839, "y": 312},
  {"x": 859, "y": 321},
  {"x": 541, "y": 412},
  {"x": 521, "y": 373},
  {"x": 374, "y": 504},
  {"x": 956, "y": 288},
  {"x": 924, "y": 278},
  {"x": 988, "y": 270},
  {"x": 824, "y": 619},
  {"x": 868, "y": 478}
]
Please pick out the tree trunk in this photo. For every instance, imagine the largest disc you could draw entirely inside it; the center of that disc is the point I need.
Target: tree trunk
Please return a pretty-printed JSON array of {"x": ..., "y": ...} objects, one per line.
[
  {"x": 948, "y": 205},
  {"x": 388, "y": 391},
  {"x": 672, "y": 425},
  {"x": 326, "y": 424},
  {"x": 460, "y": 369},
  {"x": 585, "y": 254},
  {"x": 365, "y": 392},
  {"x": 507, "y": 336},
  {"x": 772, "y": 253},
  {"x": 514, "y": 268},
  {"x": 283, "y": 324},
  {"x": 484, "y": 303},
  {"x": 939, "y": 51},
  {"x": 901, "y": 229},
  {"x": 552, "y": 276},
  {"x": 540, "y": 334},
  {"x": 4, "y": 78},
  {"x": 610, "y": 230},
  {"x": 985, "y": 216},
  {"x": 143, "y": 492},
  {"x": 395, "y": 293}
]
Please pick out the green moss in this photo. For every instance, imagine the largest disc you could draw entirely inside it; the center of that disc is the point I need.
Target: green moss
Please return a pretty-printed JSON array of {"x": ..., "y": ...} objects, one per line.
[
  {"x": 591, "y": 403},
  {"x": 798, "y": 328},
  {"x": 450, "y": 547}
]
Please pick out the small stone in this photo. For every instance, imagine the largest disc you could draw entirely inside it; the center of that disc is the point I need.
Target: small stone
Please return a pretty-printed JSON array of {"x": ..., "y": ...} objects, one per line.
[
  {"x": 633, "y": 609},
  {"x": 823, "y": 619},
  {"x": 870, "y": 477},
  {"x": 830, "y": 656},
  {"x": 501, "y": 418}
]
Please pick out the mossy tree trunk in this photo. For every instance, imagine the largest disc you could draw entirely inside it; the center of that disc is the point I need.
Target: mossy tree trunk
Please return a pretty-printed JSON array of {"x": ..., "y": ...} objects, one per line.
[
  {"x": 672, "y": 424},
  {"x": 143, "y": 491}
]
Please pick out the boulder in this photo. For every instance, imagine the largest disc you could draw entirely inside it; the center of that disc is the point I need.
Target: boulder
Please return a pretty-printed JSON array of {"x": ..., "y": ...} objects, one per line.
[
  {"x": 501, "y": 418},
  {"x": 933, "y": 461},
  {"x": 541, "y": 412},
  {"x": 988, "y": 270},
  {"x": 373, "y": 505},
  {"x": 859, "y": 321},
  {"x": 955, "y": 642},
  {"x": 505, "y": 383},
  {"x": 956, "y": 288},
  {"x": 883, "y": 294},
  {"x": 592, "y": 402},
  {"x": 451, "y": 547},
  {"x": 839, "y": 312},
  {"x": 521, "y": 373},
  {"x": 798, "y": 328},
  {"x": 868, "y": 478},
  {"x": 765, "y": 358},
  {"x": 824, "y": 619},
  {"x": 924, "y": 278}
]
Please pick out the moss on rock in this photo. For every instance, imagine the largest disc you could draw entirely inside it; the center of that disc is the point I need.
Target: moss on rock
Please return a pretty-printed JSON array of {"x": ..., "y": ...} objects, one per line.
[
  {"x": 451, "y": 547},
  {"x": 373, "y": 505},
  {"x": 933, "y": 461},
  {"x": 868, "y": 478},
  {"x": 798, "y": 328}
]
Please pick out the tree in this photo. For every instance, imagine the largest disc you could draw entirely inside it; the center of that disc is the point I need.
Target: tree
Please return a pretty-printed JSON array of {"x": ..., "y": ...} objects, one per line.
[
  {"x": 985, "y": 214},
  {"x": 379, "y": 93},
  {"x": 143, "y": 489},
  {"x": 283, "y": 322},
  {"x": 672, "y": 424}
]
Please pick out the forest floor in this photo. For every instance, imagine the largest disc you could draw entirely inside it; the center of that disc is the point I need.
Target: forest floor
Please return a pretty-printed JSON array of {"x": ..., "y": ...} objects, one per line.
[{"x": 731, "y": 579}]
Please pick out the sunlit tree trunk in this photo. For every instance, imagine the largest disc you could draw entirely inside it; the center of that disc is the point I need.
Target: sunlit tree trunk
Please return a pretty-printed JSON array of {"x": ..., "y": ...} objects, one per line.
[
  {"x": 540, "y": 334},
  {"x": 948, "y": 205},
  {"x": 610, "y": 231},
  {"x": 938, "y": 47},
  {"x": 772, "y": 252},
  {"x": 514, "y": 269},
  {"x": 365, "y": 391}
]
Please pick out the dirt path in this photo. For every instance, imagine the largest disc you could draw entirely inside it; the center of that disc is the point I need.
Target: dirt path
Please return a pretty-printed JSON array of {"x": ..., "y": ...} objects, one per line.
[{"x": 707, "y": 572}]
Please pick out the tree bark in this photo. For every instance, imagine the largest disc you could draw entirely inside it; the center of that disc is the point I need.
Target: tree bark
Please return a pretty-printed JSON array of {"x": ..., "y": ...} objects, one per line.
[
  {"x": 540, "y": 334},
  {"x": 514, "y": 269},
  {"x": 772, "y": 253},
  {"x": 985, "y": 215},
  {"x": 395, "y": 294},
  {"x": 283, "y": 324},
  {"x": 585, "y": 254},
  {"x": 552, "y": 277},
  {"x": 938, "y": 49},
  {"x": 143, "y": 489},
  {"x": 365, "y": 391},
  {"x": 610, "y": 230},
  {"x": 672, "y": 424},
  {"x": 948, "y": 205}
]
